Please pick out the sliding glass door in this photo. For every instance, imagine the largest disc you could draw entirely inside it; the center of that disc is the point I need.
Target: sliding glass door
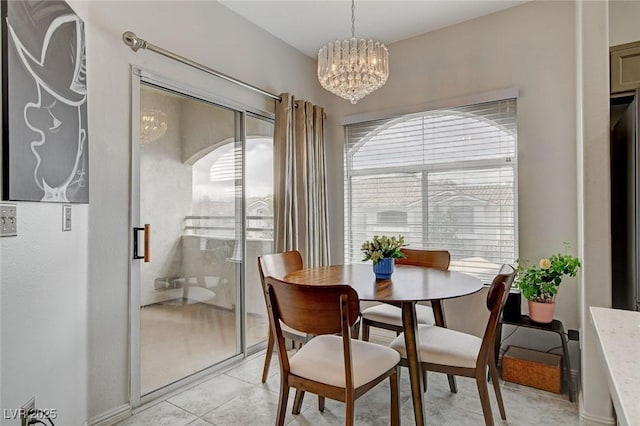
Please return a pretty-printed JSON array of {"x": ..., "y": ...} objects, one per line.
[{"x": 205, "y": 189}]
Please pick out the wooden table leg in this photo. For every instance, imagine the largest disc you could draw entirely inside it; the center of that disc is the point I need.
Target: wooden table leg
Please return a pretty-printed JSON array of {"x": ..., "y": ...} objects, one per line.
[
  {"x": 438, "y": 313},
  {"x": 410, "y": 323}
]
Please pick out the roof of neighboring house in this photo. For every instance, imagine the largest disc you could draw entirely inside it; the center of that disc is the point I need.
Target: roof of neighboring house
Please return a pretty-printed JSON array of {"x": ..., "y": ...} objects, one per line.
[{"x": 409, "y": 195}]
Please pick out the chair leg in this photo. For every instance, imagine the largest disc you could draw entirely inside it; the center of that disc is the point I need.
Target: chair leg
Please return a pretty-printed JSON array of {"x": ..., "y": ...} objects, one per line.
[
  {"x": 424, "y": 380},
  {"x": 350, "y": 412},
  {"x": 395, "y": 398},
  {"x": 452, "y": 383},
  {"x": 493, "y": 370},
  {"x": 321, "y": 403},
  {"x": 268, "y": 355},
  {"x": 282, "y": 402},
  {"x": 483, "y": 391},
  {"x": 365, "y": 330},
  {"x": 297, "y": 402}
]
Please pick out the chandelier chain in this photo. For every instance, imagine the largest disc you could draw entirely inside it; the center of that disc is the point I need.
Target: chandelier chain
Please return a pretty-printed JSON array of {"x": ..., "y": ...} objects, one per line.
[{"x": 353, "y": 18}]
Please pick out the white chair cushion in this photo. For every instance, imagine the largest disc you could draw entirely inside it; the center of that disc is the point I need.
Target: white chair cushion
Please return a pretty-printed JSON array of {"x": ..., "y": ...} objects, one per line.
[
  {"x": 443, "y": 346},
  {"x": 322, "y": 360},
  {"x": 390, "y": 314}
]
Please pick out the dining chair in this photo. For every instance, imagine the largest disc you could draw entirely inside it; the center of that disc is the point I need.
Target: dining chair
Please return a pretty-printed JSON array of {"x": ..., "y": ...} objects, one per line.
[
  {"x": 448, "y": 351},
  {"x": 389, "y": 317},
  {"x": 331, "y": 365},
  {"x": 278, "y": 265}
]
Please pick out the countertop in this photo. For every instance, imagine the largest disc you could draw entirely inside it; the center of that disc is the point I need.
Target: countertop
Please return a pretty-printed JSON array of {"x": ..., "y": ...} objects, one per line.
[{"x": 618, "y": 334}]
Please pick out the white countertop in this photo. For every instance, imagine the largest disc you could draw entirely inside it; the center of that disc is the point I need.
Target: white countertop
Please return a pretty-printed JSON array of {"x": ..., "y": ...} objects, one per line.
[{"x": 618, "y": 333}]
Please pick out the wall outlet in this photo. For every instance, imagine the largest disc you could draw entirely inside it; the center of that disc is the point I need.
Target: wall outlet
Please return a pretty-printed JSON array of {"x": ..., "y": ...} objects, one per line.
[
  {"x": 8, "y": 220},
  {"x": 25, "y": 410},
  {"x": 66, "y": 217}
]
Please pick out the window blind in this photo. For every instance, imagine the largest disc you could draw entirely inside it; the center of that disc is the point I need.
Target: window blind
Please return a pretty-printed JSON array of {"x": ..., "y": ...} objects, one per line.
[{"x": 445, "y": 179}]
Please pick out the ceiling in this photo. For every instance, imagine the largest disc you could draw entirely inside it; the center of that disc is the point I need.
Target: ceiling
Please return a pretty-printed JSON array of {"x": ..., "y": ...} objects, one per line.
[{"x": 308, "y": 24}]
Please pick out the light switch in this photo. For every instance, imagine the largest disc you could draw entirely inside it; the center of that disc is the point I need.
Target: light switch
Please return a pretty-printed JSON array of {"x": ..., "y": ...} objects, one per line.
[
  {"x": 8, "y": 220},
  {"x": 66, "y": 217}
]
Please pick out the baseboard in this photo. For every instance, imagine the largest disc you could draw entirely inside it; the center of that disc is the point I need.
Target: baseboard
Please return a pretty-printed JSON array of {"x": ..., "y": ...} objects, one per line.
[
  {"x": 587, "y": 419},
  {"x": 112, "y": 416},
  {"x": 591, "y": 420}
]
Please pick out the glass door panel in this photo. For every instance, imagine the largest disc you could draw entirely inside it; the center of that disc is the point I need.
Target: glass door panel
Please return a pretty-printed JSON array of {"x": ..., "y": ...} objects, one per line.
[
  {"x": 259, "y": 221},
  {"x": 191, "y": 195}
]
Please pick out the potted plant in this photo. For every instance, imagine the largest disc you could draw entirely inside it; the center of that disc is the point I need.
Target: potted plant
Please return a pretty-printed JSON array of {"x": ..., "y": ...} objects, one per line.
[
  {"x": 383, "y": 251},
  {"x": 539, "y": 283}
]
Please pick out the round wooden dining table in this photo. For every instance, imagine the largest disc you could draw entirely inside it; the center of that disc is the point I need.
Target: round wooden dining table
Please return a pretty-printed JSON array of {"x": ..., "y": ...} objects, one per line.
[{"x": 407, "y": 286}]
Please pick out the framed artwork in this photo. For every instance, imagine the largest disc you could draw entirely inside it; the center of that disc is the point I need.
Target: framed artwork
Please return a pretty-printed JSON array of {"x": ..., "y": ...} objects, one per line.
[{"x": 45, "y": 153}]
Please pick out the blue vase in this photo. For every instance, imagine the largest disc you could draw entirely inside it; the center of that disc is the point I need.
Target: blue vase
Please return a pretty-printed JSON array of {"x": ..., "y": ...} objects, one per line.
[{"x": 384, "y": 268}]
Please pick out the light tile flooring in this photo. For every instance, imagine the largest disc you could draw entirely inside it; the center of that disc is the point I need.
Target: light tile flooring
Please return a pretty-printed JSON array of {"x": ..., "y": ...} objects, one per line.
[{"x": 236, "y": 397}]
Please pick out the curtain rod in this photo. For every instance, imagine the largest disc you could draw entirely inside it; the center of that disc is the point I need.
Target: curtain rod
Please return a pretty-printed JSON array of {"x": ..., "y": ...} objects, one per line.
[{"x": 135, "y": 43}]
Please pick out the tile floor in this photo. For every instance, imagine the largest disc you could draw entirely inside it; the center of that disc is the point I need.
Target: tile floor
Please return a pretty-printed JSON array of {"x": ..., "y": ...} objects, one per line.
[{"x": 236, "y": 397}]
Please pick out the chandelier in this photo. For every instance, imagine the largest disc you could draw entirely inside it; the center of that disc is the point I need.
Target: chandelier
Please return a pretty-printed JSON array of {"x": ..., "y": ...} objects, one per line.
[
  {"x": 153, "y": 125},
  {"x": 353, "y": 68}
]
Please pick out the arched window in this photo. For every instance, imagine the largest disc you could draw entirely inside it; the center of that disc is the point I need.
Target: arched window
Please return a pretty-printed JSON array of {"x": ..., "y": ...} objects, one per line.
[{"x": 446, "y": 177}]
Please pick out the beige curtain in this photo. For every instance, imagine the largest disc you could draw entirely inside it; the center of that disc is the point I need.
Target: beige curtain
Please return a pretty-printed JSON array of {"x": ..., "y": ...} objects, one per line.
[{"x": 301, "y": 217}]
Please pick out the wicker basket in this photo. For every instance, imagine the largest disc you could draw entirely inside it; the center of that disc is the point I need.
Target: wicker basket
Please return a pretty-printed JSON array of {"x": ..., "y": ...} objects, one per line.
[{"x": 532, "y": 368}]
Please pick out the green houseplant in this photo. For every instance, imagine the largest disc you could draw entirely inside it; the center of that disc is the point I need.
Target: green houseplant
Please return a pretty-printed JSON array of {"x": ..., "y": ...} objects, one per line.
[
  {"x": 382, "y": 251},
  {"x": 539, "y": 283}
]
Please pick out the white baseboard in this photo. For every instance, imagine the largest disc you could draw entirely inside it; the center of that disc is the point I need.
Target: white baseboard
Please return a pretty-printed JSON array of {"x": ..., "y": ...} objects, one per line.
[
  {"x": 111, "y": 417},
  {"x": 587, "y": 419}
]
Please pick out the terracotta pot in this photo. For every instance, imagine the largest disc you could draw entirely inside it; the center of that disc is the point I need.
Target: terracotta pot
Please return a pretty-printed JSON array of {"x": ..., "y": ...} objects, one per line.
[{"x": 541, "y": 312}]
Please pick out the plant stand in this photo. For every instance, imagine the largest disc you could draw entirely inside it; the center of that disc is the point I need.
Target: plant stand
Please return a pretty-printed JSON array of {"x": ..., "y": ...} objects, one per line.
[{"x": 554, "y": 326}]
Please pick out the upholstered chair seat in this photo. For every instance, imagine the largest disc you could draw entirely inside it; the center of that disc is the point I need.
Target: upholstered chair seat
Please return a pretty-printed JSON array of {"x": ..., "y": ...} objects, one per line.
[
  {"x": 392, "y": 315},
  {"x": 321, "y": 360},
  {"x": 440, "y": 345}
]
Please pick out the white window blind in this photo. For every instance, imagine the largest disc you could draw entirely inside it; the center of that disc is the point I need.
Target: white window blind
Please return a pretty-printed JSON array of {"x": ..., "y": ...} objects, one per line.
[{"x": 445, "y": 179}]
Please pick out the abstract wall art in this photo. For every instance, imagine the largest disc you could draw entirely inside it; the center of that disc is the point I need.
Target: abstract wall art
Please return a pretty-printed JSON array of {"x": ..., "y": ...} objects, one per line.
[{"x": 45, "y": 153}]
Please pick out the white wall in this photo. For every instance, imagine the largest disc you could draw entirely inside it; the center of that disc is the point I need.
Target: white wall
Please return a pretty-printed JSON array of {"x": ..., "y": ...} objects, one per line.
[
  {"x": 623, "y": 22},
  {"x": 43, "y": 311},
  {"x": 205, "y": 32}
]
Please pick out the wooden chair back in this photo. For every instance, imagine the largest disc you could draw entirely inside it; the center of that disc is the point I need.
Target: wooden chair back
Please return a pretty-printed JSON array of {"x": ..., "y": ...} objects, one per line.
[
  {"x": 438, "y": 259},
  {"x": 279, "y": 264},
  {"x": 496, "y": 298},
  {"x": 313, "y": 309}
]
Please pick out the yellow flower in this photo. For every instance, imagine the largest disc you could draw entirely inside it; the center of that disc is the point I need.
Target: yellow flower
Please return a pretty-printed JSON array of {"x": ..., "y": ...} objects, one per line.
[{"x": 545, "y": 263}]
